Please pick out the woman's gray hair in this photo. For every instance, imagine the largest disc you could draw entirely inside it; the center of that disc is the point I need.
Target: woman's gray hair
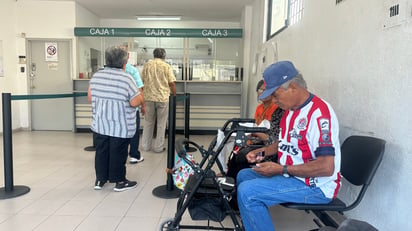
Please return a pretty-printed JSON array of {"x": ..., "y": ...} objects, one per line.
[
  {"x": 298, "y": 79},
  {"x": 116, "y": 57},
  {"x": 159, "y": 53}
]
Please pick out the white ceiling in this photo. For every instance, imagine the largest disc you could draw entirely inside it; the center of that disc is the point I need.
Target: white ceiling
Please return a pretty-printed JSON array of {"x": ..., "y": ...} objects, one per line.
[{"x": 190, "y": 10}]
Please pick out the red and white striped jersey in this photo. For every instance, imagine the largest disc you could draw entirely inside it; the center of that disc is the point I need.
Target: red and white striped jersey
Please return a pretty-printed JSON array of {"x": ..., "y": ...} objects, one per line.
[{"x": 307, "y": 133}]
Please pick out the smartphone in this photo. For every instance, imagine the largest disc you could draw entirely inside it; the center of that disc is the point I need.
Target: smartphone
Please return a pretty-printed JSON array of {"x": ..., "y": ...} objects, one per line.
[{"x": 260, "y": 156}]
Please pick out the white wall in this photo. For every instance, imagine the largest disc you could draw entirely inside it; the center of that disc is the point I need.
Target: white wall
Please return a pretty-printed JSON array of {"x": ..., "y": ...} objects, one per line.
[
  {"x": 172, "y": 24},
  {"x": 21, "y": 20},
  {"x": 84, "y": 18},
  {"x": 27, "y": 19},
  {"x": 247, "y": 26},
  {"x": 37, "y": 20},
  {"x": 365, "y": 72},
  {"x": 255, "y": 70},
  {"x": 9, "y": 83}
]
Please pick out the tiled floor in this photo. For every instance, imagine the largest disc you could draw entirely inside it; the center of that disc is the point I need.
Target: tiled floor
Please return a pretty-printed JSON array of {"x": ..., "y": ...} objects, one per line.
[{"x": 60, "y": 175}]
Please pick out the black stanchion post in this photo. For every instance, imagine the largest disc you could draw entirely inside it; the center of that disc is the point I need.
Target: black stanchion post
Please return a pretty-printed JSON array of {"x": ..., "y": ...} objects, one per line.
[
  {"x": 171, "y": 140},
  {"x": 7, "y": 141},
  {"x": 187, "y": 122},
  {"x": 9, "y": 191},
  {"x": 169, "y": 190},
  {"x": 93, "y": 147}
]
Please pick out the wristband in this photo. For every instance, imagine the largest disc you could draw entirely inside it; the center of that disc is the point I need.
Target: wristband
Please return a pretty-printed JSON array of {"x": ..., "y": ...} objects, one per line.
[{"x": 285, "y": 171}]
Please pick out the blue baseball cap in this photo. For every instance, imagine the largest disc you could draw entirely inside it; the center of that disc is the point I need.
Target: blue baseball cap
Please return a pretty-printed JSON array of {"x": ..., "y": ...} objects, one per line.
[{"x": 277, "y": 74}]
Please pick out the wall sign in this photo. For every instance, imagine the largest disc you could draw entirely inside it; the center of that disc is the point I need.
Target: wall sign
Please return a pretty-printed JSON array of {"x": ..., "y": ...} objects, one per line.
[
  {"x": 50, "y": 50},
  {"x": 157, "y": 32}
]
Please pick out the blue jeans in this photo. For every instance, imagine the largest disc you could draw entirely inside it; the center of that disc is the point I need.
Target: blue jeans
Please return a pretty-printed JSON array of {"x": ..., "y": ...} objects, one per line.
[
  {"x": 256, "y": 193},
  {"x": 134, "y": 141}
]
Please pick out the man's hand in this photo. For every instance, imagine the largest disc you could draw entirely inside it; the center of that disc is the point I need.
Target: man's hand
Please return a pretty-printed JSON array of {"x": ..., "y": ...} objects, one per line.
[
  {"x": 142, "y": 109},
  {"x": 255, "y": 156},
  {"x": 268, "y": 168},
  {"x": 137, "y": 101}
]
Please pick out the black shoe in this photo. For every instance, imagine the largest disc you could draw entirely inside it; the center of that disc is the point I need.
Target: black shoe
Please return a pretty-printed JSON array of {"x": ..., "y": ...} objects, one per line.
[
  {"x": 98, "y": 184},
  {"x": 125, "y": 185}
]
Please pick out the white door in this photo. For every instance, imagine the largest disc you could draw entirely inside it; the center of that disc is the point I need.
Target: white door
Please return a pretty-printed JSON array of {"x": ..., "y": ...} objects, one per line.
[{"x": 49, "y": 73}]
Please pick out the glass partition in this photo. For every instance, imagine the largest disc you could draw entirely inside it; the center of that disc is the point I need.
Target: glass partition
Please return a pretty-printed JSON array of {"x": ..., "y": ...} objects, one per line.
[
  {"x": 207, "y": 64},
  {"x": 89, "y": 56},
  {"x": 198, "y": 59},
  {"x": 174, "y": 54}
]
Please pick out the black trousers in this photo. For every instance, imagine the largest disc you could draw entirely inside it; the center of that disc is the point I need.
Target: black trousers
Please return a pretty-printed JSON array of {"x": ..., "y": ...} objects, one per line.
[{"x": 110, "y": 158}]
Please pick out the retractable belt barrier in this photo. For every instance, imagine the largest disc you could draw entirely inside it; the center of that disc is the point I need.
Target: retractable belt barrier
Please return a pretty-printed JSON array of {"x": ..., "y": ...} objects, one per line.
[
  {"x": 10, "y": 190},
  {"x": 169, "y": 190}
]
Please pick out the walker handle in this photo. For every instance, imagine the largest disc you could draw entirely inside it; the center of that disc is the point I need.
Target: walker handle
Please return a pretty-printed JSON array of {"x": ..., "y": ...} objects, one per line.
[
  {"x": 252, "y": 130},
  {"x": 181, "y": 152},
  {"x": 234, "y": 122},
  {"x": 180, "y": 147}
]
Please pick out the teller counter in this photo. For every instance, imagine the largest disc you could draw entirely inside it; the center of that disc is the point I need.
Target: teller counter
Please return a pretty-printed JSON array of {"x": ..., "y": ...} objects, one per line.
[{"x": 211, "y": 104}]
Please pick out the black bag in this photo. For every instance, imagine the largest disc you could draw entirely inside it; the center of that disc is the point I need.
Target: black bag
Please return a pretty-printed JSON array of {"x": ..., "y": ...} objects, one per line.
[
  {"x": 237, "y": 161},
  {"x": 207, "y": 208}
]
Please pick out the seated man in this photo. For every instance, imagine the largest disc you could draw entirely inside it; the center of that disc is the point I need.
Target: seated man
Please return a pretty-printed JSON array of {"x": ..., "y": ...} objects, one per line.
[{"x": 308, "y": 152}]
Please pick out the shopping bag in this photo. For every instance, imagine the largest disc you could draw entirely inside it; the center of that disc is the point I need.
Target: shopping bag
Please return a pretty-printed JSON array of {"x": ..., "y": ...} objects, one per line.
[
  {"x": 227, "y": 148},
  {"x": 182, "y": 171}
]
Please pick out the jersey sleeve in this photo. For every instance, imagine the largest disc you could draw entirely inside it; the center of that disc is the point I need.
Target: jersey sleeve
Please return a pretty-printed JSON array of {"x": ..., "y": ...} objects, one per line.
[{"x": 323, "y": 129}]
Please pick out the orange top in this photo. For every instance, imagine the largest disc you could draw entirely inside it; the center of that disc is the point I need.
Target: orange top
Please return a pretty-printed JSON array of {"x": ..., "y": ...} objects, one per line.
[{"x": 263, "y": 112}]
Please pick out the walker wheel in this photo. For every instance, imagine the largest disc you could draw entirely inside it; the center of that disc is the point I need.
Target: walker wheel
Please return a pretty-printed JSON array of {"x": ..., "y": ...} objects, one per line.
[{"x": 167, "y": 226}]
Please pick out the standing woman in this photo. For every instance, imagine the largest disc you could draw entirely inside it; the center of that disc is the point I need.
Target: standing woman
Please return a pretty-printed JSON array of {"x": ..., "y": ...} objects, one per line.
[
  {"x": 114, "y": 97},
  {"x": 134, "y": 153}
]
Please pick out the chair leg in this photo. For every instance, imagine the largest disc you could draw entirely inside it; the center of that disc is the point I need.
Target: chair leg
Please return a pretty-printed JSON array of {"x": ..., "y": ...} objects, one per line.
[
  {"x": 324, "y": 219},
  {"x": 318, "y": 222}
]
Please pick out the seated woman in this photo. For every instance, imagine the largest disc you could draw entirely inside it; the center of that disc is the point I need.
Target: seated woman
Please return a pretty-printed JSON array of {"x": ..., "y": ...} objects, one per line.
[
  {"x": 264, "y": 111},
  {"x": 266, "y": 108},
  {"x": 237, "y": 159}
]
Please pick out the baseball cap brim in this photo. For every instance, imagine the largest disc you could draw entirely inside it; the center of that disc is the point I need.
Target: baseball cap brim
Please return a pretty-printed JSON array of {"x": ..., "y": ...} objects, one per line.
[{"x": 268, "y": 92}]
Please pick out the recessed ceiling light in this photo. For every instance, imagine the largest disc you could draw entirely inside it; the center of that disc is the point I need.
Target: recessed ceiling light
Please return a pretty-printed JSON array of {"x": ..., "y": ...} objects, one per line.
[{"x": 158, "y": 18}]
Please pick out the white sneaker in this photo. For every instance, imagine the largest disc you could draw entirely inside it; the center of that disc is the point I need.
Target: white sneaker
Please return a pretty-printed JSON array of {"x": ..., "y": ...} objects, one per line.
[
  {"x": 133, "y": 160},
  {"x": 98, "y": 185}
]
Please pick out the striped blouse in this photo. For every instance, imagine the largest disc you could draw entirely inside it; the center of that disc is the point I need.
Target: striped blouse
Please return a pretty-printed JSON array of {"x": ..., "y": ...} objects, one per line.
[{"x": 111, "y": 90}]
